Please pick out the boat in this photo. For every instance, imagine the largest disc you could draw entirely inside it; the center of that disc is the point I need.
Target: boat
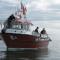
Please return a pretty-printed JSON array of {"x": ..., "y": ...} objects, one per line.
[{"x": 17, "y": 33}]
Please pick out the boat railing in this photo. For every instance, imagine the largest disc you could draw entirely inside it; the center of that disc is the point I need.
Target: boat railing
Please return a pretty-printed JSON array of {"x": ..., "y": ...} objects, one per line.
[
  {"x": 35, "y": 33},
  {"x": 45, "y": 37}
]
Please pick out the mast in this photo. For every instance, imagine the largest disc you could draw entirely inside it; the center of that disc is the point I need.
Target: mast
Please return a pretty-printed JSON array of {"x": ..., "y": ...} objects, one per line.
[{"x": 21, "y": 13}]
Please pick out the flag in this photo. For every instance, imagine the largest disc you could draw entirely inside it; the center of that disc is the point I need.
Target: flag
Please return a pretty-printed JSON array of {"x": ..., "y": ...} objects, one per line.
[
  {"x": 24, "y": 10},
  {"x": 22, "y": 5}
]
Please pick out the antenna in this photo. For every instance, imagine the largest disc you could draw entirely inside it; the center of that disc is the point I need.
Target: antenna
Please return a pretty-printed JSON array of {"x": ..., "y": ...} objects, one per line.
[{"x": 21, "y": 10}]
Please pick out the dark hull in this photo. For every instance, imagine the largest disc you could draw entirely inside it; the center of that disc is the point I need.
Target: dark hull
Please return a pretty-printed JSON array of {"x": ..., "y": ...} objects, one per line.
[{"x": 23, "y": 41}]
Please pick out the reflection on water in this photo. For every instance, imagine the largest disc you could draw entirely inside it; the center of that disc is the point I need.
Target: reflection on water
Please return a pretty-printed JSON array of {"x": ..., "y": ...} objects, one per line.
[
  {"x": 2, "y": 55},
  {"x": 24, "y": 55}
]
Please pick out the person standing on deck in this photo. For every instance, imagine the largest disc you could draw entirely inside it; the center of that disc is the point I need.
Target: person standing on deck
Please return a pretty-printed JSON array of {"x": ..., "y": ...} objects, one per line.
[
  {"x": 43, "y": 31},
  {"x": 36, "y": 30}
]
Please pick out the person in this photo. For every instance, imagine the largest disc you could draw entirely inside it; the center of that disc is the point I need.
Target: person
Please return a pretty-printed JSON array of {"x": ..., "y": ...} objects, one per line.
[
  {"x": 43, "y": 31},
  {"x": 9, "y": 20},
  {"x": 36, "y": 30}
]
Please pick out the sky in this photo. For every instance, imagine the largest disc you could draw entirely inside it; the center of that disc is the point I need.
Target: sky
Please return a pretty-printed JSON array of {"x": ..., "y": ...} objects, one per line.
[{"x": 36, "y": 9}]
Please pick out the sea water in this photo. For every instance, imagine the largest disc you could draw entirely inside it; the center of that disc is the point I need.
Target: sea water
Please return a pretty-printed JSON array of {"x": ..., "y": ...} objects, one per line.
[{"x": 51, "y": 53}]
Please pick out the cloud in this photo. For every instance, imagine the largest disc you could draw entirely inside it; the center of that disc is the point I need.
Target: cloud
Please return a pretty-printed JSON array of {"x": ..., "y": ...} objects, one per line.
[
  {"x": 10, "y": 1},
  {"x": 34, "y": 4},
  {"x": 38, "y": 4},
  {"x": 42, "y": 4},
  {"x": 7, "y": 8},
  {"x": 37, "y": 9},
  {"x": 56, "y": 1}
]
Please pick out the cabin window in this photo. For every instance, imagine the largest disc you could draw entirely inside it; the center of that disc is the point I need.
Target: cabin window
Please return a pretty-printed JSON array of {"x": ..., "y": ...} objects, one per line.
[
  {"x": 15, "y": 26},
  {"x": 20, "y": 26},
  {"x": 26, "y": 27}
]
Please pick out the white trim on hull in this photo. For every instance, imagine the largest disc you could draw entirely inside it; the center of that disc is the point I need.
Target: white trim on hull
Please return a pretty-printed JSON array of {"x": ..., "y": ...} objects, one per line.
[
  {"x": 20, "y": 49},
  {"x": 17, "y": 31}
]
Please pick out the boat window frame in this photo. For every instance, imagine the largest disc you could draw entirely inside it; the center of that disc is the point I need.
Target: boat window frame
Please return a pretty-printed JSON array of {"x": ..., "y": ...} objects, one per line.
[{"x": 22, "y": 26}]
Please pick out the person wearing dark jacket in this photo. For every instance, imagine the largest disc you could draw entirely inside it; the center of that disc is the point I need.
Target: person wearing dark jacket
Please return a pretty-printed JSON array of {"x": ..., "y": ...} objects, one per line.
[
  {"x": 43, "y": 31},
  {"x": 9, "y": 20},
  {"x": 36, "y": 30}
]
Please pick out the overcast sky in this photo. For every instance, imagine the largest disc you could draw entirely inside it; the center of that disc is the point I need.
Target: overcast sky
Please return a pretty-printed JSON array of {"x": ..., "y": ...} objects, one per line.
[{"x": 36, "y": 9}]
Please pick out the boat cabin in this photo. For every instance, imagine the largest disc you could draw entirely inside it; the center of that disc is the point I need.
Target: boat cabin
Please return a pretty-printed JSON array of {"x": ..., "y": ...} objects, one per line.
[{"x": 20, "y": 24}]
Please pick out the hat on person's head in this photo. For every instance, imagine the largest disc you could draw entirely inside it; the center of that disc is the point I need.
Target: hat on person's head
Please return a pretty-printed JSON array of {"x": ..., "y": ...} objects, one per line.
[
  {"x": 43, "y": 28},
  {"x": 37, "y": 27}
]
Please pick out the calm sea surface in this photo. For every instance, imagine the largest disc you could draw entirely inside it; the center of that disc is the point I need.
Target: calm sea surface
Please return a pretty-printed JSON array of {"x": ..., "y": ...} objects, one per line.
[{"x": 51, "y": 53}]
